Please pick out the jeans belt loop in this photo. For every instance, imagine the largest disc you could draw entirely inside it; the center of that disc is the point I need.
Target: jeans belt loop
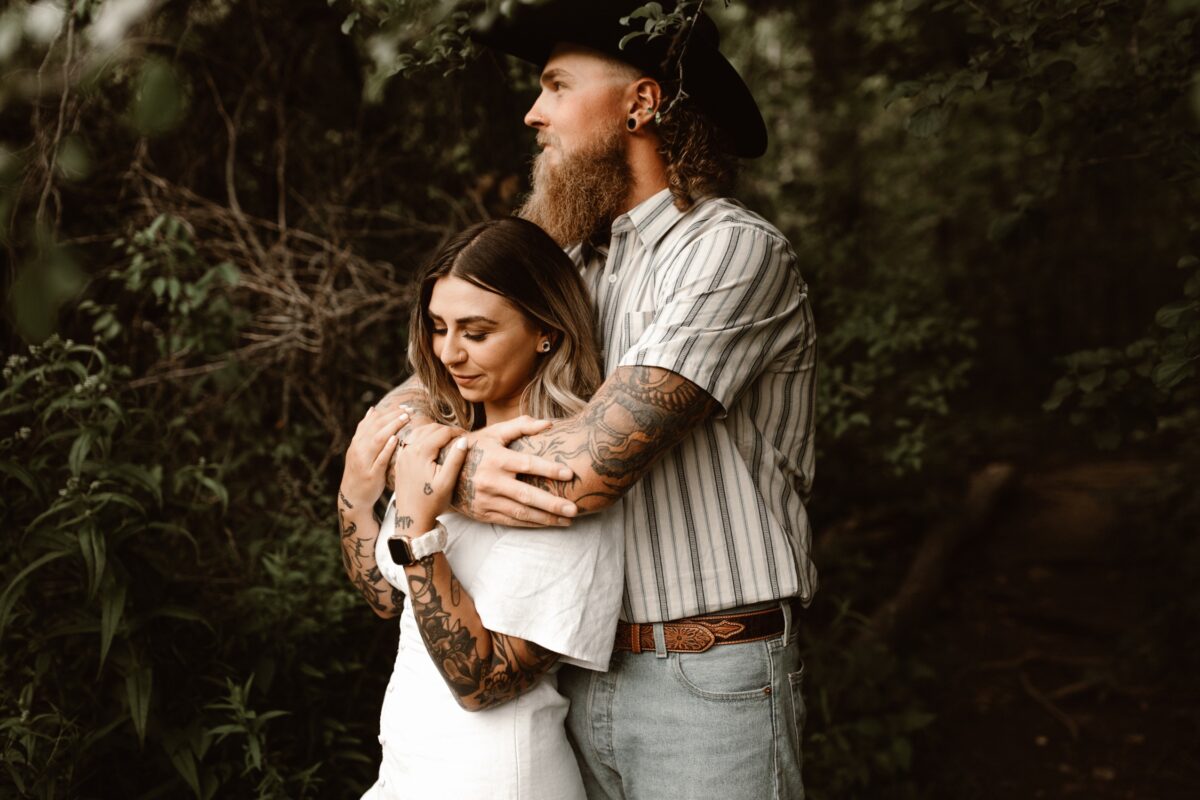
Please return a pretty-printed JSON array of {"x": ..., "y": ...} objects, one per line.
[
  {"x": 786, "y": 606},
  {"x": 660, "y": 641}
]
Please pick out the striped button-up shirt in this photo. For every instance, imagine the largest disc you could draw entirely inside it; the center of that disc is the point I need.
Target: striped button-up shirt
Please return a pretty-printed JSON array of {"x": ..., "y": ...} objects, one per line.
[{"x": 714, "y": 295}]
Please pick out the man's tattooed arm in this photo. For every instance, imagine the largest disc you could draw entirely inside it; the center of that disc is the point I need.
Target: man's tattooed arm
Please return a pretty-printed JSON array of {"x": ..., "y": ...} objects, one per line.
[
  {"x": 482, "y": 668},
  {"x": 359, "y": 529},
  {"x": 634, "y": 418}
]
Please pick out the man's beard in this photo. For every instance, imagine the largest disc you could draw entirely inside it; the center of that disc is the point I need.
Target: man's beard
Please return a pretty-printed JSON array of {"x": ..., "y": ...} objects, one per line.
[{"x": 577, "y": 199}]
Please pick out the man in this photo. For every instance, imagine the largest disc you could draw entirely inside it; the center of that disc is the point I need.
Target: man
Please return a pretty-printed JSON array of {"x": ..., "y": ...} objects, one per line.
[{"x": 702, "y": 430}]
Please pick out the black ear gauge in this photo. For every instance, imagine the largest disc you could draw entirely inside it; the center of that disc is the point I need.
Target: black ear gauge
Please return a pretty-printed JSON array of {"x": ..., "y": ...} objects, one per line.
[{"x": 631, "y": 123}]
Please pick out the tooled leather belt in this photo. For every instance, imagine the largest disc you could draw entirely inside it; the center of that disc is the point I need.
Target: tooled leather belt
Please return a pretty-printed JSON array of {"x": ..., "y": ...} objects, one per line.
[{"x": 697, "y": 634}]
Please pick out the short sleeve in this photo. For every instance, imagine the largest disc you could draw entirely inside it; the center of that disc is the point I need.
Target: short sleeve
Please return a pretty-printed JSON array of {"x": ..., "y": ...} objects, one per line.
[
  {"x": 727, "y": 304},
  {"x": 559, "y": 588}
]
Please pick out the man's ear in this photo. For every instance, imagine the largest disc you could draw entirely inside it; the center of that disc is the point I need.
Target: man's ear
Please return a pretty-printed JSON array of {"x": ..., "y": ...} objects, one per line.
[{"x": 646, "y": 96}]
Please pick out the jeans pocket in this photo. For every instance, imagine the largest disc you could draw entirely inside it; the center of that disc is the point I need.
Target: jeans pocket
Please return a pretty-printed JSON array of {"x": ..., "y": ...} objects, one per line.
[{"x": 726, "y": 672}]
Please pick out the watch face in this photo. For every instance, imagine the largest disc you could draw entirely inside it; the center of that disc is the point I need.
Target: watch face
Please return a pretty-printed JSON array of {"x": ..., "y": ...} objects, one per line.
[{"x": 401, "y": 552}]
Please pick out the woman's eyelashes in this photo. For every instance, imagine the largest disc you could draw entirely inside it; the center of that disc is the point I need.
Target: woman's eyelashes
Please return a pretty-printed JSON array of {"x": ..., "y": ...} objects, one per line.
[{"x": 474, "y": 336}]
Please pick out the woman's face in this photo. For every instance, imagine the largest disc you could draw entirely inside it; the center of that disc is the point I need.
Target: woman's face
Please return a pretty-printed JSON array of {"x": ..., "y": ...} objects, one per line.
[{"x": 489, "y": 346}]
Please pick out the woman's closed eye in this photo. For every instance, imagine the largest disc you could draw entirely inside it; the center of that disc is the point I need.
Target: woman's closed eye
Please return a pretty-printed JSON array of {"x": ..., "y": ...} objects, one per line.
[{"x": 478, "y": 336}]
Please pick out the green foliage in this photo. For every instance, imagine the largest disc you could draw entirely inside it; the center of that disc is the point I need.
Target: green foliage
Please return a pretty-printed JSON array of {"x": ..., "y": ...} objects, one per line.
[
  {"x": 1145, "y": 389},
  {"x": 864, "y": 712}
]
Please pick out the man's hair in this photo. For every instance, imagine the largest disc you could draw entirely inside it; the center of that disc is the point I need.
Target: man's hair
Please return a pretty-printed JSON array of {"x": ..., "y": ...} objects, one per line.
[{"x": 699, "y": 156}]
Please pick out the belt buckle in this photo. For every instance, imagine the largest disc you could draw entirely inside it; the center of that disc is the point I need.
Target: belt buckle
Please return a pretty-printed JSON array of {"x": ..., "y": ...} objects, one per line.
[{"x": 688, "y": 637}]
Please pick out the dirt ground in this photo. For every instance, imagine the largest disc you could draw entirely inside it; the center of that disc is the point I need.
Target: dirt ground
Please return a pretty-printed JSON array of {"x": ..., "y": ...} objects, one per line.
[{"x": 1054, "y": 681}]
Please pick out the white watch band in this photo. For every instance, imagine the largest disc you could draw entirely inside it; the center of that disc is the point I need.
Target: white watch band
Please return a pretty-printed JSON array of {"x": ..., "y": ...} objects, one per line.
[{"x": 428, "y": 543}]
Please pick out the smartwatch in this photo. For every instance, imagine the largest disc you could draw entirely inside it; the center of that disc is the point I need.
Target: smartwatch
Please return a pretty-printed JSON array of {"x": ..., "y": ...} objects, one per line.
[{"x": 406, "y": 552}]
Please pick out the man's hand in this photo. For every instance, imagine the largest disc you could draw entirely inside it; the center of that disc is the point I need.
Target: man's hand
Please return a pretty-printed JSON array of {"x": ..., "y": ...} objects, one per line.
[{"x": 489, "y": 486}]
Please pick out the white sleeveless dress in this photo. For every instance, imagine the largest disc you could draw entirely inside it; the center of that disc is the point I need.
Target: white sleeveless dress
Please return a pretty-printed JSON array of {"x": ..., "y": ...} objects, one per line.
[{"x": 558, "y": 588}]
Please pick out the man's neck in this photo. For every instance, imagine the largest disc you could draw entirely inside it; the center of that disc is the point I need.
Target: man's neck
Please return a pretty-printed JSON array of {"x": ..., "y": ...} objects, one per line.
[{"x": 649, "y": 176}]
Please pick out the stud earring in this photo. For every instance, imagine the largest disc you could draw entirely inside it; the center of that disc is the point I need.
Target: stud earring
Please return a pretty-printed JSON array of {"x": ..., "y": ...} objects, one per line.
[
  {"x": 631, "y": 123},
  {"x": 544, "y": 347}
]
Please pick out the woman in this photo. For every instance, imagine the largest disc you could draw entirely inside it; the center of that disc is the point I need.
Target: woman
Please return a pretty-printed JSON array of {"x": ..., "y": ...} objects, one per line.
[{"x": 502, "y": 328}]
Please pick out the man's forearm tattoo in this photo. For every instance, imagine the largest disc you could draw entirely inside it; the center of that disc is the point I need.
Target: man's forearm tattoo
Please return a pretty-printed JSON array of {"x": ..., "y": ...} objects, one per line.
[
  {"x": 510, "y": 667},
  {"x": 464, "y": 490},
  {"x": 636, "y": 416}
]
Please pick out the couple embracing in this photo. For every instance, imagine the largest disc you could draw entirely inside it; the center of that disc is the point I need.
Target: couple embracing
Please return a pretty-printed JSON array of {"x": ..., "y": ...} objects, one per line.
[{"x": 597, "y": 549}]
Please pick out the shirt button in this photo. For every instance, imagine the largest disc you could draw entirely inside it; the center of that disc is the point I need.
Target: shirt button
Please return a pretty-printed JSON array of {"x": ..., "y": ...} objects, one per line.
[
  {"x": 382, "y": 740},
  {"x": 612, "y": 277}
]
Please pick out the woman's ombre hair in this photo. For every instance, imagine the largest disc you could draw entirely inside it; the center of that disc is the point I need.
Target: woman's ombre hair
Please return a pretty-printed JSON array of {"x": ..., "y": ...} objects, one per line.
[{"x": 520, "y": 262}]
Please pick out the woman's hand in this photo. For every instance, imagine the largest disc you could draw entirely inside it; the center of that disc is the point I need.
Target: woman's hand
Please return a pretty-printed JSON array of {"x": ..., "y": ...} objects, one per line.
[
  {"x": 427, "y": 486},
  {"x": 368, "y": 455}
]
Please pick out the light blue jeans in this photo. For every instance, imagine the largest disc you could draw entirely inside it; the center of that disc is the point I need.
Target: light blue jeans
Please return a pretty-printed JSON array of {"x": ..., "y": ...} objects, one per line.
[{"x": 725, "y": 724}]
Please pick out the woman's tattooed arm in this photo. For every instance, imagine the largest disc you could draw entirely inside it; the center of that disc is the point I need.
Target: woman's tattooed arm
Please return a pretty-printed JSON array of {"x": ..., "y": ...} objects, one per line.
[
  {"x": 359, "y": 529},
  {"x": 482, "y": 668}
]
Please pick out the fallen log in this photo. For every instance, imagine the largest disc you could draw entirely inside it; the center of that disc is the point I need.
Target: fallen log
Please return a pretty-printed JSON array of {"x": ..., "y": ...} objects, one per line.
[{"x": 927, "y": 571}]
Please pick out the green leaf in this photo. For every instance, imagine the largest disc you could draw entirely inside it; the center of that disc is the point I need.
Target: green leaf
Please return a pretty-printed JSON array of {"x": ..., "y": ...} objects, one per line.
[
  {"x": 112, "y": 605},
  {"x": 627, "y": 38},
  {"x": 216, "y": 488},
  {"x": 1062, "y": 390},
  {"x": 185, "y": 764},
  {"x": 150, "y": 479},
  {"x": 928, "y": 120},
  {"x": 21, "y": 474},
  {"x": 93, "y": 547},
  {"x": 228, "y": 272},
  {"x": 1092, "y": 381},
  {"x": 255, "y": 747},
  {"x": 137, "y": 692},
  {"x": 1029, "y": 118},
  {"x": 181, "y": 613},
  {"x": 11, "y": 592},
  {"x": 650, "y": 11},
  {"x": 105, "y": 498},
  {"x": 79, "y": 450},
  {"x": 159, "y": 101},
  {"x": 1172, "y": 371},
  {"x": 1173, "y": 315}
]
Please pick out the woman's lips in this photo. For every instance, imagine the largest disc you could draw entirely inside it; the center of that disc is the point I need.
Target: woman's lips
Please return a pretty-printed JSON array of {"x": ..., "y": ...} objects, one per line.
[{"x": 464, "y": 380}]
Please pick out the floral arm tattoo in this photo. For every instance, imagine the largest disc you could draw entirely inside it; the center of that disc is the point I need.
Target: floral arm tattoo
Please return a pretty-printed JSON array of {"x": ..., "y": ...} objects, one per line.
[
  {"x": 358, "y": 560},
  {"x": 482, "y": 668},
  {"x": 634, "y": 418}
]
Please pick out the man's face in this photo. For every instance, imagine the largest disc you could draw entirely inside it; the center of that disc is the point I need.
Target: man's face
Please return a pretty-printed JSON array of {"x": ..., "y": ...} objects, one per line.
[
  {"x": 582, "y": 177},
  {"x": 583, "y": 99}
]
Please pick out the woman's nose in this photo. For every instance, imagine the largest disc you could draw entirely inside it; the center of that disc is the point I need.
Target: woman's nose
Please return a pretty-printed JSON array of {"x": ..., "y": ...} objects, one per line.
[{"x": 451, "y": 352}]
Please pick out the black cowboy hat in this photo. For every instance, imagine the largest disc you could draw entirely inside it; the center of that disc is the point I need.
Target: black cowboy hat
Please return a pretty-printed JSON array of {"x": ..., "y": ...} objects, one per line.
[{"x": 710, "y": 81}]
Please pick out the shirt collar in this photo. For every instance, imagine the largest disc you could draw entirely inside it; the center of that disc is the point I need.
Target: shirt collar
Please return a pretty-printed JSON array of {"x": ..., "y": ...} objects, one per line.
[{"x": 651, "y": 218}]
